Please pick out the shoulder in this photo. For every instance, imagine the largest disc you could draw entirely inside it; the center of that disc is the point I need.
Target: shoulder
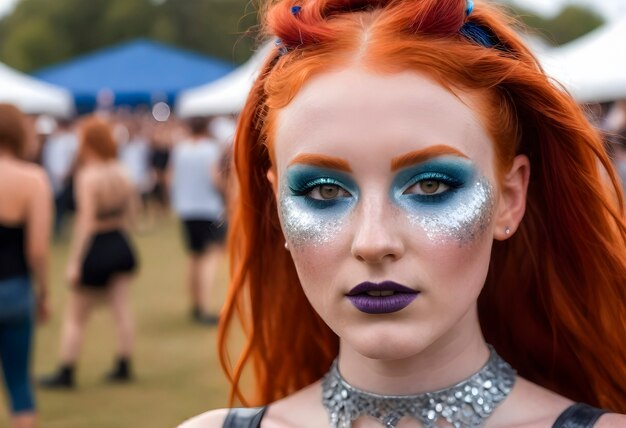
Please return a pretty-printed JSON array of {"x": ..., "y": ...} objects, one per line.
[
  {"x": 87, "y": 174},
  {"x": 34, "y": 175},
  {"x": 211, "y": 419},
  {"x": 529, "y": 405},
  {"x": 611, "y": 420},
  {"x": 120, "y": 169},
  {"x": 302, "y": 409}
]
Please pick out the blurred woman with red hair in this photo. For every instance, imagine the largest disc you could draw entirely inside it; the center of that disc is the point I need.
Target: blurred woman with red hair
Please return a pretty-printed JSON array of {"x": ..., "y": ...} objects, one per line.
[
  {"x": 102, "y": 261},
  {"x": 428, "y": 231},
  {"x": 25, "y": 226}
]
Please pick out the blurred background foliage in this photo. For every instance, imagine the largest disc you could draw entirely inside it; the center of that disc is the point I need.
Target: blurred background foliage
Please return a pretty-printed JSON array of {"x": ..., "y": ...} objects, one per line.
[
  {"x": 572, "y": 22},
  {"x": 43, "y": 32}
]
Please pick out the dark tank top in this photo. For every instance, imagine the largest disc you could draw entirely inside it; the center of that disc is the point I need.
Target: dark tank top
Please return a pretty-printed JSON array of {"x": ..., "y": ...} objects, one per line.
[
  {"x": 576, "y": 416},
  {"x": 12, "y": 252}
]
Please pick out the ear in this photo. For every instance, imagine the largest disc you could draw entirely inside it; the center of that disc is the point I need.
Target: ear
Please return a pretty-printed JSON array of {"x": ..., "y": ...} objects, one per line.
[
  {"x": 512, "y": 201},
  {"x": 271, "y": 177}
]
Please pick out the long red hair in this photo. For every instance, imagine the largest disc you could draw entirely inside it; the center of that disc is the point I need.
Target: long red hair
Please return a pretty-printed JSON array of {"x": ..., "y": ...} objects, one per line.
[
  {"x": 554, "y": 303},
  {"x": 96, "y": 136}
]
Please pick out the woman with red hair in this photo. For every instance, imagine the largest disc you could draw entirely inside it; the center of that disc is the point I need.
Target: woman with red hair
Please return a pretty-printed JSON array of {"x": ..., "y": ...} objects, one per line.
[
  {"x": 102, "y": 261},
  {"x": 428, "y": 231},
  {"x": 25, "y": 226}
]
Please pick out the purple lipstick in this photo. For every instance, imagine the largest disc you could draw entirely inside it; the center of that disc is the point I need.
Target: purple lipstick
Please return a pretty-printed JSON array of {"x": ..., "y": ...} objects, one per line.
[{"x": 381, "y": 298}]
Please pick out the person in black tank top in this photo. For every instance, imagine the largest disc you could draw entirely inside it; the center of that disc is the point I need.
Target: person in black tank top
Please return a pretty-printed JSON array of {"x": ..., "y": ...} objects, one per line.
[
  {"x": 425, "y": 227},
  {"x": 25, "y": 227},
  {"x": 102, "y": 259},
  {"x": 12, "y": 251}
]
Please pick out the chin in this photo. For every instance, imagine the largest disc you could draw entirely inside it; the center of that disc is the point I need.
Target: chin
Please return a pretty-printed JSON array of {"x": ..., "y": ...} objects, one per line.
[{"x": 388, "y": 345}]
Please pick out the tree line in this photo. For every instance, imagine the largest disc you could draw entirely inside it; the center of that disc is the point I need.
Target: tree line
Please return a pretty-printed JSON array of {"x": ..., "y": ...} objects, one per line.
[
  {"x": 39, "y": 33},
  {"x": 43, "y": 32}
]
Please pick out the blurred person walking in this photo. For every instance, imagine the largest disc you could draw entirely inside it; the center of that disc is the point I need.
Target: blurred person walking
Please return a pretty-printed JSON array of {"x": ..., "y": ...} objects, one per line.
[
  {"x": 197, "y": 201},
  {"x": 135, "y": 156},
  {"x": 160, "y": 147},
  {"x": 25, "y": 226},
  {"x": 58, "y": 157},
  {"x": 102, "y": 260}
]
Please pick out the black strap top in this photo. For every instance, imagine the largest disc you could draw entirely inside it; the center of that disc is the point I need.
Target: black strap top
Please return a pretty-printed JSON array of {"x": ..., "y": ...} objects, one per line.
[
  {"x": 245, "y": 418},
  {"x": 576, "y": 416},
  {"x": 12, "y": 252}
]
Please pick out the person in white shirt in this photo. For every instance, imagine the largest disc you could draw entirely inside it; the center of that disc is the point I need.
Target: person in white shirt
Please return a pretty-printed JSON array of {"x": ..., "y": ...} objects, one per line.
[
  {"x": 58, "y": 157},
  {"x": 197, "y": 201}
]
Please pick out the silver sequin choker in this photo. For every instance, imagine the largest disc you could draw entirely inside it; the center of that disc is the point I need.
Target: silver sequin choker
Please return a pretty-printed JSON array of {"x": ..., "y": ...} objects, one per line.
[{"x": 464, "y": 405}]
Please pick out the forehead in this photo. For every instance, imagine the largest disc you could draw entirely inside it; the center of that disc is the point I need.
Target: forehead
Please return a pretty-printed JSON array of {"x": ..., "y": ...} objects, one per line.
[{"x": 370, "y": 118}]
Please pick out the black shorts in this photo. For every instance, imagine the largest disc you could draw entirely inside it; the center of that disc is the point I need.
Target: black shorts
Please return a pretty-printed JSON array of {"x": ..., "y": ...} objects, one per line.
[
  {"x": 199, "y": 234},
  {"x": 109, "y": 254}
]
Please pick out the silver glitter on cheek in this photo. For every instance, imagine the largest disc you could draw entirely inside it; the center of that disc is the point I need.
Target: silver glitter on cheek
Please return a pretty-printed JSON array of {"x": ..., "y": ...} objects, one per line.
[
  {"x": 462, "y": 220},
  {"x": 304, "y": 225}
]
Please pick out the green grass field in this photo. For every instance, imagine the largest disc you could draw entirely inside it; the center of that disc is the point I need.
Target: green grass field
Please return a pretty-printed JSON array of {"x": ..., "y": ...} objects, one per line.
[{"x": 175, "y": 361}]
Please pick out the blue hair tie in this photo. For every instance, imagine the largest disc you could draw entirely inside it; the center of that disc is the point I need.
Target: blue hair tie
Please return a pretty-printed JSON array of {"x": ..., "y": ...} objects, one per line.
[
  {"x": 479, "y": 34},
  {"x": 295, "y": 10},
  {"x": 469, "y": 7},
  {"x": 282, "y": 49}
]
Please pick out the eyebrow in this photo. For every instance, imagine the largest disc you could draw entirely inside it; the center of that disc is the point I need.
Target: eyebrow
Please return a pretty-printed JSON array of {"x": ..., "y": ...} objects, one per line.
[
  {"x": 322, "y": 161},
  {"x": 422, "y": 155}
]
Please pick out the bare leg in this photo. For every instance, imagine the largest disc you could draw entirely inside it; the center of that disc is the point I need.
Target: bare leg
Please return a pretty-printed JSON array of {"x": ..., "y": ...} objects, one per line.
[
  {"x": 80, "y": 306},
  {"x": 209, "y": 263},
  {"x": 24, "y": 420},
  {"x": 194, "y": 280},
  {"x": 122, "y": 314}
]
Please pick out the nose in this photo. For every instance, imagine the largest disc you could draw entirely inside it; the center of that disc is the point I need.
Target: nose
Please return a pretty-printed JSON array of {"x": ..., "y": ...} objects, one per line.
[{"x": 376, "y": 237}]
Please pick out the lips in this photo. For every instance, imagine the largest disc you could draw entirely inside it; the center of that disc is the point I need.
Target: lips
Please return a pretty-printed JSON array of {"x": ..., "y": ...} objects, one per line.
[{"x": 381, "y": 298}]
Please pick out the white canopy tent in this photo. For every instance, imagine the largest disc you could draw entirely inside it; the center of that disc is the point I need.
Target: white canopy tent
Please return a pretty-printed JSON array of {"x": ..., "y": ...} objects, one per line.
[
  {"x": 593, "y": 67},
  {"x": 33, "y": 96},
  {"x": 223, "y": 96}
]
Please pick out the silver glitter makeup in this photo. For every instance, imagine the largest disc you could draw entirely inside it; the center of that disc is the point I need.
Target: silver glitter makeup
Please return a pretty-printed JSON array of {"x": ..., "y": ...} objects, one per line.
[
  {"x": 303, "y": 226},
  {"x": 462, "y": 220}
]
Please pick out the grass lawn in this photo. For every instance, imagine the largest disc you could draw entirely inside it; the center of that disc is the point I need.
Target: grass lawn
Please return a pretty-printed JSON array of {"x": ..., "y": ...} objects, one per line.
[{"x": 175, "y": 361}]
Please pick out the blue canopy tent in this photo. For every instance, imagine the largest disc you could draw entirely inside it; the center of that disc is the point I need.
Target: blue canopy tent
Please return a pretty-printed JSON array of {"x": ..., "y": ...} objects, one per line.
[{"x": 140, "y": 72}]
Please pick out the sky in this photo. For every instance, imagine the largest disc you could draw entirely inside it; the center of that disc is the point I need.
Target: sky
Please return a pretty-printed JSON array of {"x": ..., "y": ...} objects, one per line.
[
  {"x": 610, "y": 9},
  {"x": 6, "y": 6}
]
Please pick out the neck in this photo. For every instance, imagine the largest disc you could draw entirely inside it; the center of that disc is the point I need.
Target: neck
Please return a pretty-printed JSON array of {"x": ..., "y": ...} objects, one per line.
[{"x": 452, "y": 358}]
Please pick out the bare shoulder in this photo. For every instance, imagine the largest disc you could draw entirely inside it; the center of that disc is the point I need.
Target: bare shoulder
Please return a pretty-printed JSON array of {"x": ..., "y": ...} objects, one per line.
[
  {"x": 33, "y": 172},
  {"x": 611, "y": 420},
  {"x": 302, "y": 409},
  {"x": 529, "y": 406},
  {"x": 33, "y": 178},
  {"x": 211, "y": 419},
  {"x": 86, "y": 175}
]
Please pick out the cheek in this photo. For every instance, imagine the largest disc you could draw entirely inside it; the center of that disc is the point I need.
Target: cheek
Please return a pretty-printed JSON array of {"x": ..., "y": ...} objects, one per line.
[
  {"x": 316, "y": 240},
  {"x": 453, "y": 240},
  {"x": 306, "y": 225},
  {"x": 461, "y": 220},
  {"x": 458, "y": 271},
  {"x": 317, "y": 267}
]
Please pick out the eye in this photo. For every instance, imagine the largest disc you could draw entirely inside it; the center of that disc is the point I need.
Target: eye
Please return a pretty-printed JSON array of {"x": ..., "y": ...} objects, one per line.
[
  {"x": 328, "y": 192},
  {"x": 427, "y": 187}
]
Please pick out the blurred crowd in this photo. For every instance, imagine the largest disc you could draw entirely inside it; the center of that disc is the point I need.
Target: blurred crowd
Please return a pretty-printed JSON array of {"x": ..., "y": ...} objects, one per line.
[{"x": 114, "y": 173}]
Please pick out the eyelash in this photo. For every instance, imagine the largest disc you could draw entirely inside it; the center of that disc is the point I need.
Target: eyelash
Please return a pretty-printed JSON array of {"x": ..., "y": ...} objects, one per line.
[
  {"x": 451, "y": 182},
  {"x": 307, "y": 187}
]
